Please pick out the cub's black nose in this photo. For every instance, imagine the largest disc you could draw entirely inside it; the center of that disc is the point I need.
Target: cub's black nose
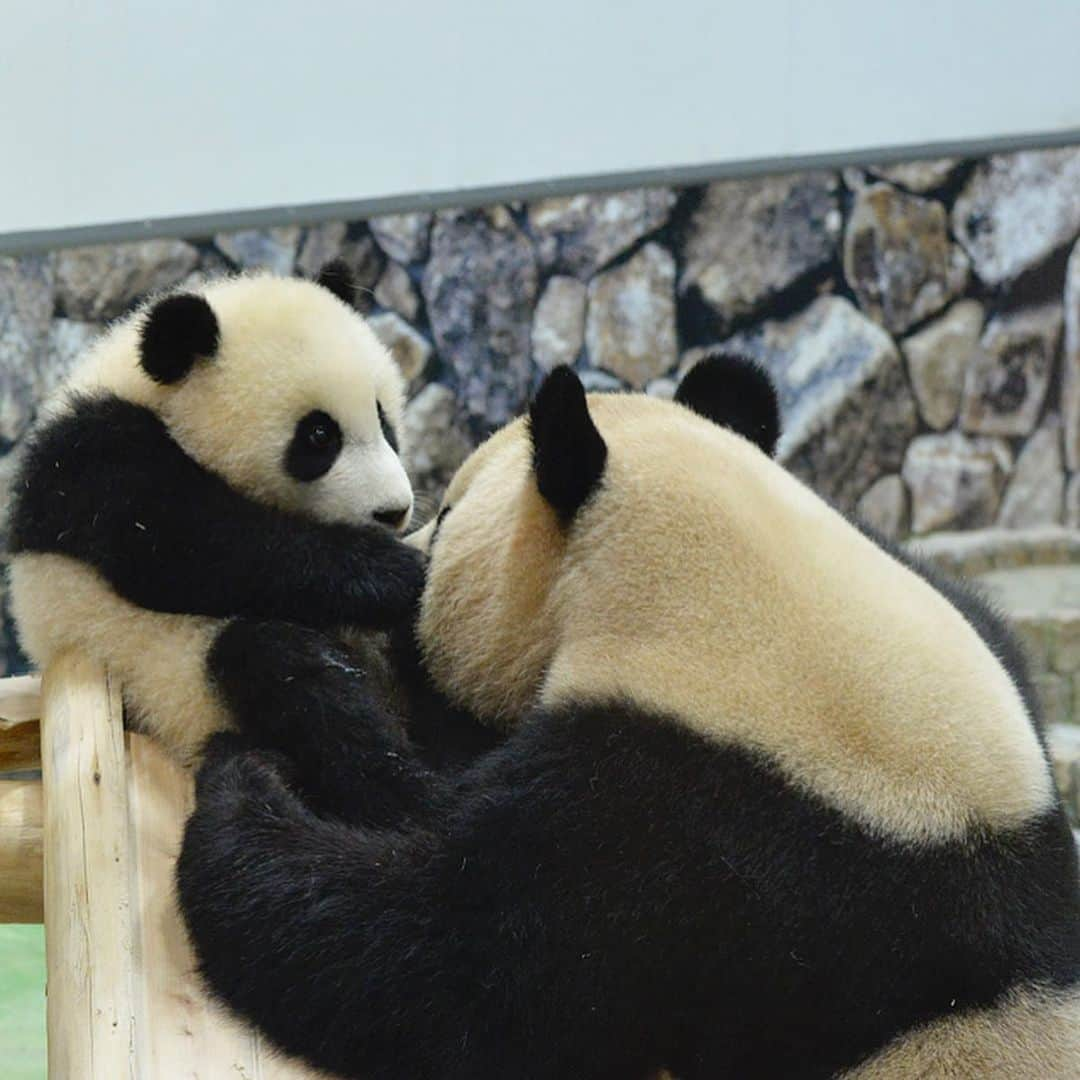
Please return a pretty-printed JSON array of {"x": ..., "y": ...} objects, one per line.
[{"x": 393, "y": 517}]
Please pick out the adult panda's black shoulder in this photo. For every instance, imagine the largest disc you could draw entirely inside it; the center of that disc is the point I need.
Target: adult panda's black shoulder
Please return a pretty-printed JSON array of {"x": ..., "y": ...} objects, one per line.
[
  {"x": 228, "y": 451},
  {"x": 768, "y": 803}
]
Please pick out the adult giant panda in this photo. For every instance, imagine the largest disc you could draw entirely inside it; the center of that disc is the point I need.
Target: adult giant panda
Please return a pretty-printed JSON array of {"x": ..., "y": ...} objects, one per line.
[
  {"x": 769, "y": 804},
  {"x": 227, "y": 451}
]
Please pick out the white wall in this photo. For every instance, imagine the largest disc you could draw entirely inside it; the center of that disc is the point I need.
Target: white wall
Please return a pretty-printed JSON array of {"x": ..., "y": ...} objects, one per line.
[{"x": 121, "y": 110}]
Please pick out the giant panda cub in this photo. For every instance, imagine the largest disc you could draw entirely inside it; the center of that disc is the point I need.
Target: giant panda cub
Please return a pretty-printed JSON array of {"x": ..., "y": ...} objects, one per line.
[
  {"x": 227, "y": 451},
  {"x": 769, "y": 803}
]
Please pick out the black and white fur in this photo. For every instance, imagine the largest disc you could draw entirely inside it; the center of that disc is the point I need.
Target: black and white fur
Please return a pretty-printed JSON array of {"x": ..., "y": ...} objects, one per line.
[
  {"x": 224, "y": 452},
  {"x": 643, "y": 875}
]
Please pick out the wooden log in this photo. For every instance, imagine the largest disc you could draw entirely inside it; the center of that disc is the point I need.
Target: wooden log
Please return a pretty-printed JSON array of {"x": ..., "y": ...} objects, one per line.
[
  {"x": 124, "y": 998},
  {"x": 20, "y": 851},
  {"x": 20, "y": 748},
  {"x": 20, "y": 700},
  {"x": 176, "y": 1024},
  {"x": 88, "y": 950}
]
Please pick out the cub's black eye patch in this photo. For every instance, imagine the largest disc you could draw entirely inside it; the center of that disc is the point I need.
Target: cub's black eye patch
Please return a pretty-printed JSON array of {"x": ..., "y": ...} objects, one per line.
[
  {"x": 315, "y": 446},
  {"x": 387, "y": 430}
]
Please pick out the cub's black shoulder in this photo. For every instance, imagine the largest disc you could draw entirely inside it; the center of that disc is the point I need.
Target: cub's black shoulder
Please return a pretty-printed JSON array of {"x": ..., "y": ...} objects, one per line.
[{"x": 68, "y": 473}]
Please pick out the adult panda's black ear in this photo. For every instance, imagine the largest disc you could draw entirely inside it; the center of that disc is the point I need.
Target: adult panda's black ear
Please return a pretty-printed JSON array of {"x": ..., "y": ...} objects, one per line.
[
  {"x": 176, "y": 332},
  {"x": 337, "y": 276},
  {"x": 568, "y": 452},
  {"x": 735, "y": 392}
]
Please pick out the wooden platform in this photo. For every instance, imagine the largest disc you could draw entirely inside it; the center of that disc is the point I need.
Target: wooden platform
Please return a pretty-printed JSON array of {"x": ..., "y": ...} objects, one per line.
[{"x": 89, "y": 849}]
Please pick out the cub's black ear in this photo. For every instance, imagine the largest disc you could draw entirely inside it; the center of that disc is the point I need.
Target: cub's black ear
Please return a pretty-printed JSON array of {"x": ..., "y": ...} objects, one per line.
[
  {"x": 568, "y": 452},
  {"x": 338, "y": 278},
  {"x": 177, "y": 331},
  {"x": 735, "y": 392}
]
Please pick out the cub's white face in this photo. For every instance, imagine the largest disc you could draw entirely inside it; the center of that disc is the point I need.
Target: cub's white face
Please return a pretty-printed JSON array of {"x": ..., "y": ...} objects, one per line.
[{"x": 300, "y": 406}]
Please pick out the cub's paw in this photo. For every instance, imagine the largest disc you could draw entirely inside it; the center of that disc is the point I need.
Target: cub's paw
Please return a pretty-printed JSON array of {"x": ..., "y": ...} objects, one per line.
[{"x": 386, "y": 588}]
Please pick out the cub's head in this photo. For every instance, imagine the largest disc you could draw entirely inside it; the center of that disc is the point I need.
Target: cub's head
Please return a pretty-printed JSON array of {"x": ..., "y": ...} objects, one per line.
[
  {"x": 575, "y": 523},
  {"x": 280, "y": 387}
]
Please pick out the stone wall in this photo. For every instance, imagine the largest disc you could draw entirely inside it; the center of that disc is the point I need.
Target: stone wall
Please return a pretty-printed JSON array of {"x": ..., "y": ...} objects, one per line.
[{"x": 922, "y": 320}]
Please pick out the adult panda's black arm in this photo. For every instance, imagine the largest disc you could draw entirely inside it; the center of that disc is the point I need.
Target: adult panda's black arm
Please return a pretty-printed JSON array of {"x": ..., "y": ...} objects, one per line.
[
  {"x": 106, "y": 484},
  {"x": 603, "y": 894},
  {"x": 523, "y": 927}
]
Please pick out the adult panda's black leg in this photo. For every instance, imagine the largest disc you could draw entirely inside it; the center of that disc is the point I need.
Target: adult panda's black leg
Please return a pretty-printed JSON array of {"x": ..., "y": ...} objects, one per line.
[
  {"x": 298, "y": 692},
  {"x": 551, "y": 919}
]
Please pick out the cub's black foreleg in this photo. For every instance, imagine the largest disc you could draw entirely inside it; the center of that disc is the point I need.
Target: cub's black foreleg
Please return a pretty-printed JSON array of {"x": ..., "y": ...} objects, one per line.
[
  {"x": 301, "y": 693},
  {"x": 106, "y": 484}
]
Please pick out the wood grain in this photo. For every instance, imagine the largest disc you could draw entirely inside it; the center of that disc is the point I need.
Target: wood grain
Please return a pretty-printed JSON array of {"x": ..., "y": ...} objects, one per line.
[
  {"x": 21, "y": 838},
  {"x": 124, "y": 998},
  {"x": 20, "y": 748},
  {"x": 88, "y": 944}
]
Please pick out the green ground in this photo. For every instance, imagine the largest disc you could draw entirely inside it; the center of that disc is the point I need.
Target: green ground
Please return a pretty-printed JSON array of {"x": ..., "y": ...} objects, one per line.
[{"x": 22, "y": 1003}]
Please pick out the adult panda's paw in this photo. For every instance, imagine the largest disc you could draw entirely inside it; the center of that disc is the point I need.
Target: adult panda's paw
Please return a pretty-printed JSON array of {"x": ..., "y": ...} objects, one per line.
[
  {"x": 245, "y": 816},
  {"x": 386, "y": 584},
  {"x": 233, "y": 768}
]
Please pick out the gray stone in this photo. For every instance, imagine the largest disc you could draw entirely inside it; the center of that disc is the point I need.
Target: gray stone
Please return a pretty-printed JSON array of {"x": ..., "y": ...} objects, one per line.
[
  {"x": 27, "y": 294},
  {"x": 1070, "y": 393},
  {"x": 1010, "y": 373},
  {"x": 884, "y": 506},
  {"x": 918, "y": 176},
  {"x": 1065, "y": 658},
  {"x": 9, "y": 465},
  {"x": 971, "y": 553},
  {"x": 631, "y": 325},
  {"x": 600, "y": 382},
  {"x": 409, "y": 347},
  {"x": 937, "y": 357},
  {"x": 580, "y": 234},
  {"x": 1017, "y": 209},
  {"x": 848, "y": 414},
  {"x": 1035, "y": 495},
  {"x": 898, "y": 258},
  {"x": 558, "y": 330},
  {"x": 436, "y": 442},
  {"x": 212, "y": 267},
  {"x": 1046, "y": 598},
  {"x": 404, "y": 237},
  {"x": 1055, "y": 695},
  {"x": 396, "y": 291},
  {"x": 750, "y": 239},
  {"x": 855, "y": 179},
  {"x": 1072, "y": 502},
  {"x": 68, "y": 340},
  {"x": 955, "y": 481},
  {"x": 663, "y": 388},
  {"x": 365, "y": 262},
  {"x": 262, "y": 249},
  {"x": 99, "y": 283},
  {"x": 480, "y": 286},
  {"x": 320, "y": 244},
  {"x": 1064, "y": 745}
]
